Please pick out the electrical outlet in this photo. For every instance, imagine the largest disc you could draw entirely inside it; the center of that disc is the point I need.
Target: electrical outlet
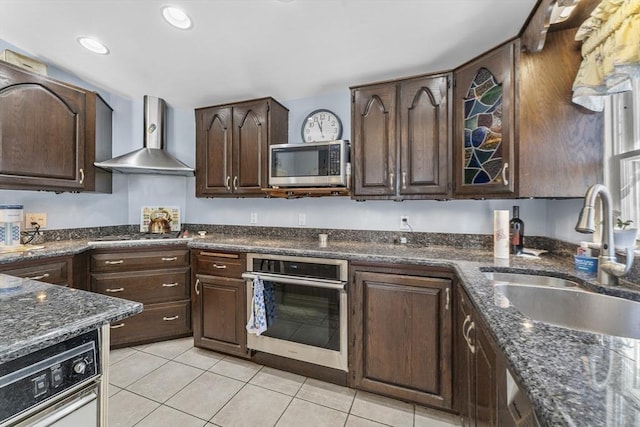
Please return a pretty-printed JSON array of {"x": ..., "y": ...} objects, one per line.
[
  {"x": 302, "y": 220},
  {"x": 254, "y": 218},
  {"x": 404, "y": 223},
  {"x": 40, "y": 218}
]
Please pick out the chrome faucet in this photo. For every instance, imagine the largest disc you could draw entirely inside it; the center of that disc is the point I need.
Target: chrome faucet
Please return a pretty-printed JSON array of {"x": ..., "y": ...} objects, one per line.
[{"x": 608, "y": 268}]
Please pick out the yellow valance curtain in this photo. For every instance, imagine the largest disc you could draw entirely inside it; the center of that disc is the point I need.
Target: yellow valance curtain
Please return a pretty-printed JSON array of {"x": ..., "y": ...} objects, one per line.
[{"x": 610, "y": 52}]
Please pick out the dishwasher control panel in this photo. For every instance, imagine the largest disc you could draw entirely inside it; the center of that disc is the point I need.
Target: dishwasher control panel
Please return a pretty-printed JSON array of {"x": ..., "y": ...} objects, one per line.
[{"x": 48, "y": 373}]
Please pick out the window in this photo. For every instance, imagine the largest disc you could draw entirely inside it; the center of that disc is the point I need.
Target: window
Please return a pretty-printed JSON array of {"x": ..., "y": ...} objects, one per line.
[{"x": 622, "y": 152}]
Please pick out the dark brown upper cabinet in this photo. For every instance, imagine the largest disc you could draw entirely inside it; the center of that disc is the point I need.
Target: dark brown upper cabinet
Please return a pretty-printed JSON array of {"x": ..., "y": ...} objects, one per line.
[
  {"x": 516, "y": 132},
  {"x": 232, "y": 146},
  {"x": 401, "y": 139},
  {"x": 51, "y": 133},
  {"x": 483, "y": 130}
]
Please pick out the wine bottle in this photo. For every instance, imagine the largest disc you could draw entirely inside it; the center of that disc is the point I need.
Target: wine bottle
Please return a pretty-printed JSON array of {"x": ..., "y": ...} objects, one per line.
[{"x": 516, "y": 232}]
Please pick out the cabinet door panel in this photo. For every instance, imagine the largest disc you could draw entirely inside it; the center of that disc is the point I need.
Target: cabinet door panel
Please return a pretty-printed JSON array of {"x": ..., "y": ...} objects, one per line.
[
  {"x": 213, "y": 162},
  {"x": 42, "y": 132},
  {"x": 484, "y": 119},
  {"x": 404, "y": 329},
  {"x": 374, "y": 123},
  {"x": 424, "y": 136},
  {"x": 250, "y": 147},
  {"x": 220, "y": 314}
]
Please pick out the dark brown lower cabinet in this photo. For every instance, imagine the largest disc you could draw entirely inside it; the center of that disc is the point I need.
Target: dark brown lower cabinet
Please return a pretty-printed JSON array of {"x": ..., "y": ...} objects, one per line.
[
  {"x": 158, "y": 277},
  {"x": 220, "y": 302},
  {"x": 70, "y": 271},
  {"x": 476, "y": 367},
  {"x": 401, "y": 333}
]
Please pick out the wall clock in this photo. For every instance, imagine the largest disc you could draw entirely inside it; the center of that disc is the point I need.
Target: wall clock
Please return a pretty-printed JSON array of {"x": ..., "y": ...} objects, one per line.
[{"x": 321, "y": 125}]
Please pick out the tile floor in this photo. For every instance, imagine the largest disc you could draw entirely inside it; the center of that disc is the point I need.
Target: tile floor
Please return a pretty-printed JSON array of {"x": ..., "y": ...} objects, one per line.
[{"x": 172, "y": 383}]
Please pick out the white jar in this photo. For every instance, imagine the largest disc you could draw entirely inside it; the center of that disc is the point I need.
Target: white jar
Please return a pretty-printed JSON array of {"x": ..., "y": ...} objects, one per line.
[{"x": 11, "y": 217}]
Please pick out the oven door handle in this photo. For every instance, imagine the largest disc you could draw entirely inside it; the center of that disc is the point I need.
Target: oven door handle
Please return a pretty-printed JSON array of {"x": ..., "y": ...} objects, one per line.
[{"x": 292, "y": 280}]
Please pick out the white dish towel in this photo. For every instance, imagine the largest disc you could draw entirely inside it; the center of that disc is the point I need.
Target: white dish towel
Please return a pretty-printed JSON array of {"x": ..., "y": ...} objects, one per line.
[{"x": 258, "y": 320}]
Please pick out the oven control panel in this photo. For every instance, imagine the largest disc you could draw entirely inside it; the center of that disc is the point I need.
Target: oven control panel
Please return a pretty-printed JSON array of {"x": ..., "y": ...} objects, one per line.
[{"x": 31, "y": 379}]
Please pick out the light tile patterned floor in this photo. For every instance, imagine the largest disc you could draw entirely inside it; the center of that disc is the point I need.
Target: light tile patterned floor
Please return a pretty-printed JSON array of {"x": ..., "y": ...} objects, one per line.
[{"x": 172, "y": 383}]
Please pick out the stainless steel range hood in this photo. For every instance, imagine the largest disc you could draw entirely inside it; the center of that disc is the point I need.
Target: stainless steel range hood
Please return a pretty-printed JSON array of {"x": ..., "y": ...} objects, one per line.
[{"x": 152, "y": 159}]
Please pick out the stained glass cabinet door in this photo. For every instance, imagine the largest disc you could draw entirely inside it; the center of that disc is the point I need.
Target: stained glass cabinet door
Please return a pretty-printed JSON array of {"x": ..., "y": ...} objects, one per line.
[{"x": 483, "y": 136}]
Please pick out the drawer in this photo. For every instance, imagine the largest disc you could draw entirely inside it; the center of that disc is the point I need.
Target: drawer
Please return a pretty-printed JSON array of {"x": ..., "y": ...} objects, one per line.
[
  {"x": 145, "y": 286},
  {"x": 139, "y": 260},
  {"x": 56, "y": 272},
  {"x": 157, "y": 322},
  {"x": 225, "y": 264}
]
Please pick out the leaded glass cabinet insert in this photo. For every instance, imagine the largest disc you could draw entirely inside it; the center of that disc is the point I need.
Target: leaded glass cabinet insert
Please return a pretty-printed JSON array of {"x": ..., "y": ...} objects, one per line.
[
  {"x": 483, "y": 132},
  {"x": 483, "y": 161}
]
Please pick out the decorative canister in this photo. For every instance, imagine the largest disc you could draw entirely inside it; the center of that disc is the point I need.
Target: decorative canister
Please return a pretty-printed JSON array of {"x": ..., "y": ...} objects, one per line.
[{"x": 10, "y": 221}]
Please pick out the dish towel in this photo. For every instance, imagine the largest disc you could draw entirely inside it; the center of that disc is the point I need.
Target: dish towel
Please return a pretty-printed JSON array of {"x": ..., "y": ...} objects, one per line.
[
  {"x": 258, "y": 320},
  {"x": 270, "y": 302}
]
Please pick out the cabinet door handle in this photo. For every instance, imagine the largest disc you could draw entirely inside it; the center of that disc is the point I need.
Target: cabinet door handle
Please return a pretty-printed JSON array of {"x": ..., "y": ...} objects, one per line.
[
  {"x": 170, "y": 258},
  {"x": 168, "y": 319},
  {"x": 118, "y": 326},
  {"x": 471, "y": 346},
  {"x": 114, "y": 290},
  {"x": 226, "y": 183},
  {"x": 235, "y": 182},
  {"x": 170, "y": 285},
  {"x": 391, "y": 181},
  {"x": 42, "y": 276},
  {"x": 81, "y": 176},
  {"x": 404, "y": 180},
  {"x": 505, "y": 181},
  {"x": 446, "y": 304},
  {"x": 120, "y": 261},
  {"x": 197, "y": 287},
  {"x": 464, "y": 327},
  {"x": 220, "y": 266}
]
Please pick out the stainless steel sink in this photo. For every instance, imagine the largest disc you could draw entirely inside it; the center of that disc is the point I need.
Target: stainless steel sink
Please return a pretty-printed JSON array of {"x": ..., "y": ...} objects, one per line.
[
  {"x": 528, "y": 279},
  {"x": 569, "y": 306}
]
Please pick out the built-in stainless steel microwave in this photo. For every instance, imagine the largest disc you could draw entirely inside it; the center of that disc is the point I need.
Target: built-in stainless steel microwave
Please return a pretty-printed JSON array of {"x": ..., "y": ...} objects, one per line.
[{"x": 311, "y": 164}]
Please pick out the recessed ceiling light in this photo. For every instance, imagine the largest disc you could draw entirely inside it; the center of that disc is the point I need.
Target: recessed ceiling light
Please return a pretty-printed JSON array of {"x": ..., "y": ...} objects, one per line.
[
  {"x": 176, "y": 17},
  {"x": 93, "y": 45}
]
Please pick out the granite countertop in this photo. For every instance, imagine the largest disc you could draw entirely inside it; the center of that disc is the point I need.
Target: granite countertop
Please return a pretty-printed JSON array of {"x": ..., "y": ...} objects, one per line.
[
  {"x": 35, "y": 315},
  {"x": 573, "y": 378}
]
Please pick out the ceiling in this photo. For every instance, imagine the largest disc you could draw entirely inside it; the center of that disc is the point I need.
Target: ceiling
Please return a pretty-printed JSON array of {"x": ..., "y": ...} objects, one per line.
[{"x": 242, "y": 49}]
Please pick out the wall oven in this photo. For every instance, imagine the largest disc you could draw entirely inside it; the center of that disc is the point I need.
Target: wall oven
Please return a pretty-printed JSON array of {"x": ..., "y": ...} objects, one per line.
[{"x": 309, "y": 316}]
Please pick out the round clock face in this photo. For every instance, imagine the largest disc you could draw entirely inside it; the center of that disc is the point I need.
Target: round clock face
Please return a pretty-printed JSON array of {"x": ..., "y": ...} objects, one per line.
[{"x": 321, "y": 125}]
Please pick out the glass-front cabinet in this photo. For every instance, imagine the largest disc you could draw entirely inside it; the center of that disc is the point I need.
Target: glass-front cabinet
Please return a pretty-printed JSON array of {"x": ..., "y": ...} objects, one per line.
[{"x": 484, "y": 115}]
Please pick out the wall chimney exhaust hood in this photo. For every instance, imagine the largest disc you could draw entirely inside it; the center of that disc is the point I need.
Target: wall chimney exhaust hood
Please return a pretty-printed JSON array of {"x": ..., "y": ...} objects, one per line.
[{"x": 152, "y": 158}]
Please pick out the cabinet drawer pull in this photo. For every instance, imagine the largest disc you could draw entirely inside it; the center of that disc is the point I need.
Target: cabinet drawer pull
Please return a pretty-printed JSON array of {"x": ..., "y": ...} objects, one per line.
[
  {"x": 505, "y": 181},
  {"x": 170, "y": 285},
  {"x": 42, "y": 276},
  {"x": 220, "y": 266},
  {"x": 226, "y": 183},
  {"x": 119, "y": 325},
  {"x": 81, "y": 176},
  {"x": 168, "y": 319},
  {"x": 120, "y": 261},
  {"x": 446, "y": 305},
  {"x": 197, "y": 287},
  {"x": 169, "y": 258},
  {"x": 235, "y": 182},
  {"x": 219, "y": 254},
  {"x": 113, "y": 290},
  {"x": 391, "y": 186},
  {"x": 404, "y": 180}
]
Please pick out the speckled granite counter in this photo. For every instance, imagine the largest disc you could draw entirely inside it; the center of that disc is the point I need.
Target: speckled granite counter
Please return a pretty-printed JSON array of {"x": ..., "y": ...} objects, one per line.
[
  {"x": 34, "y": 315},
  {"x": 573, "y": 378}
]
